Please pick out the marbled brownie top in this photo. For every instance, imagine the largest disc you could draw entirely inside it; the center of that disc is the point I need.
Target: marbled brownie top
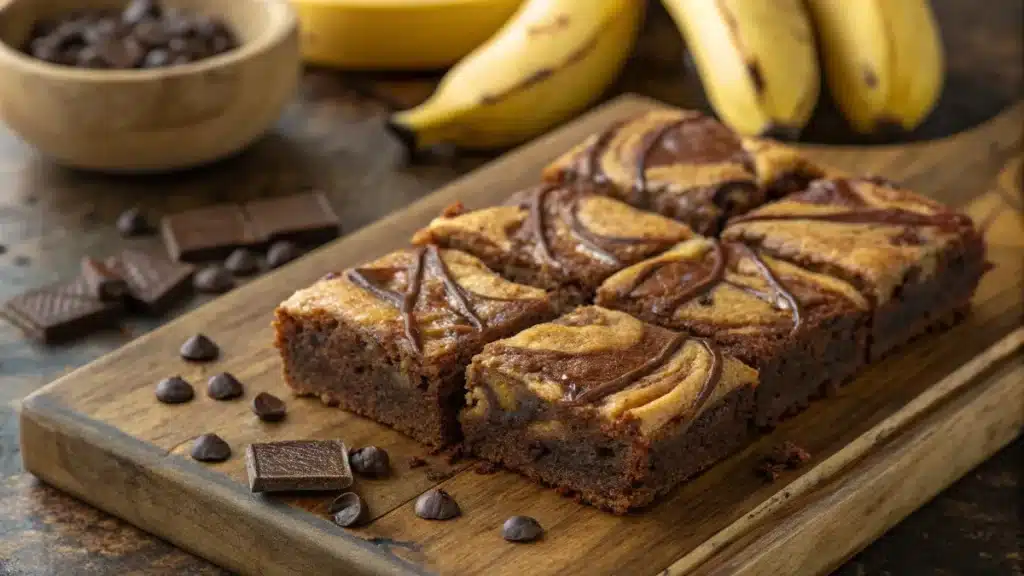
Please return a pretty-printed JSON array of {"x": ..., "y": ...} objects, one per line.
[
  {"x": 683, "y": 164},
  {"x": 574, "y": 236},
  {"x": 607, "y": 361},
  {"x": 866, "y": 231},
  {"x": 724, "y": 287},
  {"x": 424, "y": 301}
]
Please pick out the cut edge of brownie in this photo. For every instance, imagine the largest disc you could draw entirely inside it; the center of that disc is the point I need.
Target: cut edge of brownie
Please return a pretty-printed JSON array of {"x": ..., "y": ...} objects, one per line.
[
  {"x": 328, "y": 357},
  {"x": 614, "y": 467}
]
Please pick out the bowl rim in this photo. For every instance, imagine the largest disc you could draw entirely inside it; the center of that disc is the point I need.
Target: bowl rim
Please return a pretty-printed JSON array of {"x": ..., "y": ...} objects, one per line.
[{"x": 283, "y": 21}]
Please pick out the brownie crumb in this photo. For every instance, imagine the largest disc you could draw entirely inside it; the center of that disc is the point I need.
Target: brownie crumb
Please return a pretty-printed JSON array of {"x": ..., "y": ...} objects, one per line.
[
  {"x": 454, "y": 455},
  {"x": 435, "y": 475},
  {"x": 416, "y": 462},
  {"x": 789, "y": 455},
  {"x": 485, "y": 467},
  {"x": 785, "y": 456}
]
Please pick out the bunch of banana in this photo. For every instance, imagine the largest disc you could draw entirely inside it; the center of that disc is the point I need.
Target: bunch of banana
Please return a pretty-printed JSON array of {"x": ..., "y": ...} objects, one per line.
[
  {"x": 883, "y": 60},
  {"x": 757, "y": 60},
  {"x": 551, "y": 60}
]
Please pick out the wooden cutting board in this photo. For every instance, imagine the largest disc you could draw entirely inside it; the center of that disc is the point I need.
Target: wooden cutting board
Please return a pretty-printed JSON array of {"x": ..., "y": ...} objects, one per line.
[{"x": 904, "y": 430}]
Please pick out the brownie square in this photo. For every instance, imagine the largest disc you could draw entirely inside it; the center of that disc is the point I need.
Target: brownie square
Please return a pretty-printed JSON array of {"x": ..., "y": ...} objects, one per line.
[
  {"x": 917, "y": 262},
  {"x": 606, "y": 407},
  {"x": 806, "y": 333},
  {"x": 684, "y": 165},
  {"x": 563, "y": 240},
  {"x": 390, "y": 340}
]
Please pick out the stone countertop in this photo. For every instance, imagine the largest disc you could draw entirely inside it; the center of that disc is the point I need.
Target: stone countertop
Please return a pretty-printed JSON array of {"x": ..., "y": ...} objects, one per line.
[{"x": 332, "y": 138}]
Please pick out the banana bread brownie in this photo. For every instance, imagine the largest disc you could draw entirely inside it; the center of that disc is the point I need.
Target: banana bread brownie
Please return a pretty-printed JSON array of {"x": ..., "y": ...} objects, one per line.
[
  {"x": 606, "y": 407},
  {"x": 684, "y": 165},
  {"x": 917, "y": 262},
  {"x": 804, "y": 332},
  {"x": 563, "y": 240},
  {"x": 390, "y": 340}
]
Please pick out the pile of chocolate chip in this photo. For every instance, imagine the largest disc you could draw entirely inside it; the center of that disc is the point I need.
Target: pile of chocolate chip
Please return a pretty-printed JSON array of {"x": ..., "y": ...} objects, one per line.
[{"x": 145, "y": 34}]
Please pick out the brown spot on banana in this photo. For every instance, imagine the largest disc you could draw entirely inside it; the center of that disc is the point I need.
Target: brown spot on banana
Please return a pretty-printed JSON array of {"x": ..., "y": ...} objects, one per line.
[
  {"x": 869, "y": 76},
  {"x": 756, "y": 76},
  {"x": 560, "y": 22}
]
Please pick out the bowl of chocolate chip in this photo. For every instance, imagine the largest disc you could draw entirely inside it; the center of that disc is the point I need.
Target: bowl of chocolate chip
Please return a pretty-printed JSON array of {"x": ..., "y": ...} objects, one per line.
[{"x": 145, "y": 85}]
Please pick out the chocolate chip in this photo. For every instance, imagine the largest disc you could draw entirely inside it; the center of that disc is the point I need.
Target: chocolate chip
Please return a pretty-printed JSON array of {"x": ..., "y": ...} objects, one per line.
[
  {"x": 133, "y": 222},
  {"x": 242, "y": 262},
  {"x": 281, "y": 253},
  {"x": 139, "y": 10},
  {"x": 174, "y": 390},
  {"x": 436, "y": 504},
  {"x": 348, "y": 510},
  {"x": 223, "y": 386},
  {"x": 370, "y": 461},
  {"x": 89, "y": 57},
  {"x": 151, "y": 34},
  {"x": 210, "y": 448},
  {"x": 268, "y": 407},
  {"x": 122, "y": 53},
  {"x": 521, "y": 529},
  {"x": 156, "y": 58},
  {"x": 104, "y": 284},
  {"x": 199, "y": 348},
  {"x": 213, "y": 280}
]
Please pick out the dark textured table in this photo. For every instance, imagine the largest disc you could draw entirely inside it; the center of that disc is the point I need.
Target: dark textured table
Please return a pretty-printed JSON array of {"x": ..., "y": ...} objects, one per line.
[{"x": 332, "y": 139}]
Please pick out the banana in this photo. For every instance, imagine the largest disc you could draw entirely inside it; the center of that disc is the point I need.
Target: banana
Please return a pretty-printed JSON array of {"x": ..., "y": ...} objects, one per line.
[
  {"x": 883, "y": 59},
  {"x": 756, "y": 59},
  {"x": 548, "y": 62},
  {"x": 396, "y": 34}
]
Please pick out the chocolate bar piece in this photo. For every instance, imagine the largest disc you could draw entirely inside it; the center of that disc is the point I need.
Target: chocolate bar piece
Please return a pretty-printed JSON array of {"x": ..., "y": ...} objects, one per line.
[
  {"x": 207, "y": 233},
  {"x": 154, "y": 282},
  {"x": 303, "y": 218},
  {"x": 60, "y": 312},
  {"x": 215, "y": 231},
  {"x": 298, "y": 465}
]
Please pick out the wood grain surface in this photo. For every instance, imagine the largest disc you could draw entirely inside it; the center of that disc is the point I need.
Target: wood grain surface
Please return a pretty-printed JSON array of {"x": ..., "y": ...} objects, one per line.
[
  {"x": 127, "y": 449},
  {"x": 331, "y": 137}
]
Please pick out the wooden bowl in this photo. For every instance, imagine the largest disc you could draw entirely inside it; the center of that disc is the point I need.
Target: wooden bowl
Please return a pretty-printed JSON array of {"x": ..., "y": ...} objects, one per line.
[{"x": 155, "y": 119}]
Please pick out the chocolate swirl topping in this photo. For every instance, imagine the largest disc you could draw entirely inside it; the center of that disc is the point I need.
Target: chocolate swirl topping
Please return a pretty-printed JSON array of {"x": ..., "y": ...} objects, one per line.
[
  {"x": 593, "y": 167},
  {"x": 569, "y": 214},
  {"x": 640, "y": 181},
  {"x": 619, "y": 383},
  {"x": 716, "y": 276},
  {"x": 945, "y": 221},
  {"x": 426, "y": 258}
]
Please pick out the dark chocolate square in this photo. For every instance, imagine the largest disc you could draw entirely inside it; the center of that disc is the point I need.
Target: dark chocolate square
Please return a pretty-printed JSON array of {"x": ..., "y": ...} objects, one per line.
[
  {"x": 60, "y": 312},
  {"x": 154, "y": 282},
  {"x": 207, "y": 233},
  {"x": 294, "y": 465},
  {"x": 305, "y": 218}
]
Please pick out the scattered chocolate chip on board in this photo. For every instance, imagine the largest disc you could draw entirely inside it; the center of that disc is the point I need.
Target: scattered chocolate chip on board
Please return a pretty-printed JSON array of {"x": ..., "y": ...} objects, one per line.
[
  {"x": 268, "y": 408},
  {"x": 436, "y": 504},
  {"x": 298, "y": 465},
  {"x": 210, "y": 448},
  {"x": 174, "y": 390},
  {"x": 224, "y": 386},
  {"x": 199, "y": 348},
  {"x": 348, "y": 510},
  {"x": 281, "y": 253},
  {"x": 521, "y": 529},
  {"x": 370, "y": 461},
  {"x": 145, "y": 34}
]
